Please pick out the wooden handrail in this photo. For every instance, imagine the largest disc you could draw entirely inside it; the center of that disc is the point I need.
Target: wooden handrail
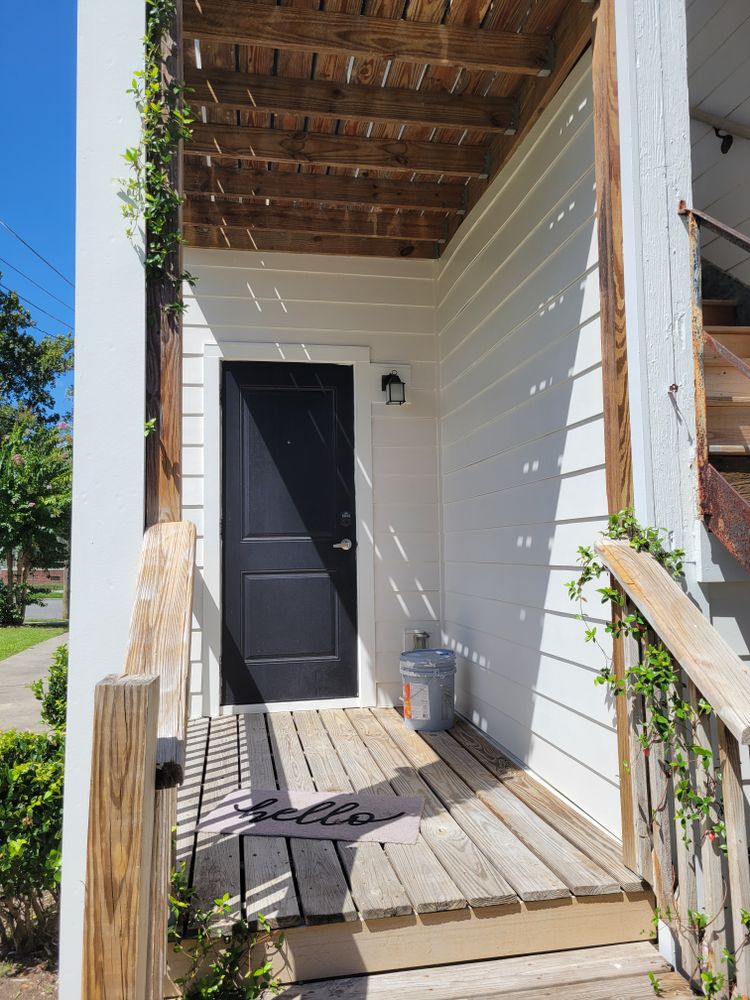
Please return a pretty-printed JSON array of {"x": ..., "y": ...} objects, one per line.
[
  {"x": 160, "y": 635},
  {"x": 125, "y": 927},
  {"x": 708, "y": 661}
]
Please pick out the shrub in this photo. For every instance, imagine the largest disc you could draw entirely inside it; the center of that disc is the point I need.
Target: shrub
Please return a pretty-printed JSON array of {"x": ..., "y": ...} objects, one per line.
[
  {"x": 14, "y": 600},
  {"x": 31, "y": 788},
  {"x": 220, "y": 963},
  {"x": 54, "y": 697}
]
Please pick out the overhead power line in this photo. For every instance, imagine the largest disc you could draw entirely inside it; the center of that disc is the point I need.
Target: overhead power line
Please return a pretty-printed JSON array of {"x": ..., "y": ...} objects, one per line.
[
  {"x": 45, "y": 290},
  {"x": 35, "y": 252},
  {"x": 35, "y": 306}
]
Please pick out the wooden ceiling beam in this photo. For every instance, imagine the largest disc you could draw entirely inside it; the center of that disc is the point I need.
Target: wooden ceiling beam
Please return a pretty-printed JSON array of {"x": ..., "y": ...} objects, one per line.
[
  {"x": 331, "y": 222},
  {"x": 210, "y": 237},
  {"x": 351, "y": 102},
  {"x": 239, "y": 22},
  {"x": 262, "y": 185},
  {"x": 281, "y": 146}
]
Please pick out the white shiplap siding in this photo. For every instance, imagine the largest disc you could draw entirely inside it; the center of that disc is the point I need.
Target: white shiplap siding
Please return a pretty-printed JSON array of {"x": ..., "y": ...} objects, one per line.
[
  {"x": 387, "y": 306},
  {"x": 719, "y": 84},
  {"x": 522, "y": 455}
]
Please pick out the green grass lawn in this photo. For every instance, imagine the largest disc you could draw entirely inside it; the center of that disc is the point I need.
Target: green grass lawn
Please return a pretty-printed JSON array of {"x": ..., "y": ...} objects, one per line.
[{"x": 15, "y": 639}]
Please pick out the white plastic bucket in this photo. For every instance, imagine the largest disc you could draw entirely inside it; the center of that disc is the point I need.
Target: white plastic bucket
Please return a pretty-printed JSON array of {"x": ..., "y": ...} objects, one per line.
[{"x": 428, "y": 677}]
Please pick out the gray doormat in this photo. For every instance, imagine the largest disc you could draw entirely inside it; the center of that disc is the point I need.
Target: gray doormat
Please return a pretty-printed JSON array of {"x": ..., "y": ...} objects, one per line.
[{"x": 385, "y": 819}]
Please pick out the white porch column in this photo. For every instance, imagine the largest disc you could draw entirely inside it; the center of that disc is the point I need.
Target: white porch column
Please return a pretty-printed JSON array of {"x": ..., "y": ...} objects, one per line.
[
  {"x": 109, "y": 416},
  {"x": 656, "y": 173}
]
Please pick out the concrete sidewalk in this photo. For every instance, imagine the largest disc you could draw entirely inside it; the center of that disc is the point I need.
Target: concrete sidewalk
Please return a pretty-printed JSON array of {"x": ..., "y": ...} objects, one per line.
[{"x": 19, "y": 709}]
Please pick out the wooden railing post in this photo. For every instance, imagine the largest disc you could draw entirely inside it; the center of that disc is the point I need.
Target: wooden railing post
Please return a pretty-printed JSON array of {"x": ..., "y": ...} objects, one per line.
[
  {"x": 121, "y": 824},
  {"x": 617, "y": 444}
]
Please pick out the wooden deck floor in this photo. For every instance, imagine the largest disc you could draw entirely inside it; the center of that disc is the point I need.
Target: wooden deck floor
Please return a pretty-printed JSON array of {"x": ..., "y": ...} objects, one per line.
[{"x": 502, "y": 866}]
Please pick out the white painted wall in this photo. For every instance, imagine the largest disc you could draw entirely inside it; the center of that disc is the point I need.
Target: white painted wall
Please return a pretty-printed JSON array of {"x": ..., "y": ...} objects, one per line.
[
  {"x": 382, "y": 305},
  {"x": 109, "y": 405},
  {"x": 522, "y": 454},
  {"x": 719, "y": 83}
]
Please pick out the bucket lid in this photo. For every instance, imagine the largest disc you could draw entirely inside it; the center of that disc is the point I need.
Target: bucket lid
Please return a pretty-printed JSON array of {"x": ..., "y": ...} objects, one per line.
[{"x": 429, "y": 660}]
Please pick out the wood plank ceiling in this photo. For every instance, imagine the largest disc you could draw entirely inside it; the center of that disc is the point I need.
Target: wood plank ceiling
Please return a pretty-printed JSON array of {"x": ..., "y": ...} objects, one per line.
[{"x": 363, "y": 127}]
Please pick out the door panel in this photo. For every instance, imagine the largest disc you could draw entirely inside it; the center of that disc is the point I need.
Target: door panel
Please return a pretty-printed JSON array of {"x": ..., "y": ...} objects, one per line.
[{"x": 290, "y": 621}]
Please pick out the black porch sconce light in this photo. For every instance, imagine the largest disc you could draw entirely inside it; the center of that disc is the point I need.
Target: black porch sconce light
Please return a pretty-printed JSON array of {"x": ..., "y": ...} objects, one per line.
[{"x": 394, "y": 389}]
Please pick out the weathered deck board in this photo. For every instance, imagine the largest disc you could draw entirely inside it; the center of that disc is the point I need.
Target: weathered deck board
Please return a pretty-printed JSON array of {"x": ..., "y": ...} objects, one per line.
[
  {"x": 376, "y": 889},
  {"x": 581, "y": 875},
  {"x": 269, "y": 884},
  {"x": 478, "y": 880},
  {"x": 426, "y": 882},
  {"x": 529, "y": 876},
  {"x": 564, "y": 818},
  {"x": 216, "y": 869},
  {"x": 490, "y": 835},
  {"x": 499, "y": 977},
  {"x": 323, "y": 891},
  {"x": 446, "y": 877}
]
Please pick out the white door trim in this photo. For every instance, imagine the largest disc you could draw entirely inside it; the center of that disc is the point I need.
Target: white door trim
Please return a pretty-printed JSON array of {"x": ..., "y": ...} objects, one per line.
[{"x": 364, "y": 394}]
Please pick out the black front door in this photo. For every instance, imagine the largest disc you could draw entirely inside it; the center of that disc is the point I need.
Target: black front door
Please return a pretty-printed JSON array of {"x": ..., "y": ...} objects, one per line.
[{"x": 290, "y": 580}]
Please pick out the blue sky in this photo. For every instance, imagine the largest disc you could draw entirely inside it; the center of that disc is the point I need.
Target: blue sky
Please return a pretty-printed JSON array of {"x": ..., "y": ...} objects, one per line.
[{"x": 37, "y": 169}]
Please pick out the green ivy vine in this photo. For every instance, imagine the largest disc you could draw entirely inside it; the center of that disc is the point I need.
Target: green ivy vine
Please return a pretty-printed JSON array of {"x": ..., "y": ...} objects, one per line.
[
  {"x": 152, "y": 200},
  {"x": 219, "y": 965},
  {"x": 669, "y": 726}
]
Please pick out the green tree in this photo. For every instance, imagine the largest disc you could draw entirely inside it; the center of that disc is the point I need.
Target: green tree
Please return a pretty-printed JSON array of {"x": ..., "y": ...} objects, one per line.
[
  {"x": 35, "y": 499},
  {"x": 29, "y": 364}
]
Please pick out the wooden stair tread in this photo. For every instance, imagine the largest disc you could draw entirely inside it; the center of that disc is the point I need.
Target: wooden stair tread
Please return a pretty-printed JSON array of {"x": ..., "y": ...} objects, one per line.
[
  {"x": 721, "y": 330},
  {"x": 719, "y": 302},
  {"x": 582, "y": 974},
  {"x": 728, "y": 400},
  {"x": 729, "y": 449},
  {"x": 740, "y": 481}
]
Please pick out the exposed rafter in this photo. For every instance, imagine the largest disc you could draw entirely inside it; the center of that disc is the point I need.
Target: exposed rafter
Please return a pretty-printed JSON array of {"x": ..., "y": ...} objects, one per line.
[
  {"x": 262, "y": 185},
  {"x": 236, "y": 21},
  {"x": 325, "y": 98},
  {"x": 280, "y": 146},
  {"x": 211, "y": 237},
  {"x": 572, "y": 35},
  {"x": 332, "y": 222}
]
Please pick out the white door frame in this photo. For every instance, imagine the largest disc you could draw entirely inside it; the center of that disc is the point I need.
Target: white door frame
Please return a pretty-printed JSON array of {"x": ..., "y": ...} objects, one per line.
[{"x": 364, "y": 394}]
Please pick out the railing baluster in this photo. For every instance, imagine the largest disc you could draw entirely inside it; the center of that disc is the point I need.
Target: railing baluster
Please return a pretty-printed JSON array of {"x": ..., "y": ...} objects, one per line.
[
  {"x": 712, "y": 875},
  {"x": 687, "y": 888},
  {"x": 737, "y": 859},
  {"x": 661, "y": 826},
  {"x": 638, "y": 762}
]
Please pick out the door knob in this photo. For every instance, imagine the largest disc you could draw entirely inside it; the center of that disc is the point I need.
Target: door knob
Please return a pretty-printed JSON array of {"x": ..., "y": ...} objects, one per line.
[{"x": 345, "y": 544}]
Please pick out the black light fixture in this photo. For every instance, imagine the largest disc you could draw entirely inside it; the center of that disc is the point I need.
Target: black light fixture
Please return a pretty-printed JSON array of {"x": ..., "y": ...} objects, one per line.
[
  {"x": 726, "y": 141},
  {"x": 394, "y": 389}
]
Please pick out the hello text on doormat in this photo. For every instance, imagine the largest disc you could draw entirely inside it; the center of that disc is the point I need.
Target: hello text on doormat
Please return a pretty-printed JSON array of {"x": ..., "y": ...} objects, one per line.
[{"x": 385, "y": 819}]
